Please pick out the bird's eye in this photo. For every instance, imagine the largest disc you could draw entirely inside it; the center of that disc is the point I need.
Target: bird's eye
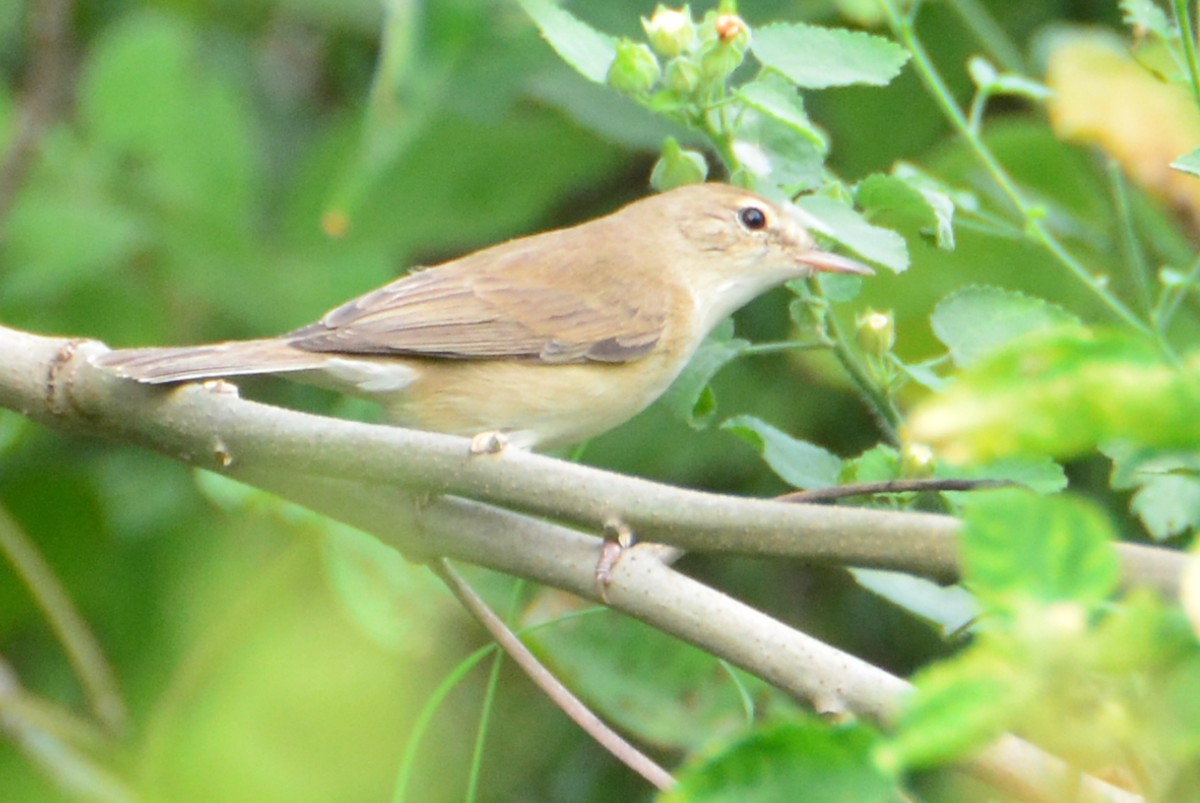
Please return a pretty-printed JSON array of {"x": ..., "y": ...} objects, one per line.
[{"x": 753, "y": 218}]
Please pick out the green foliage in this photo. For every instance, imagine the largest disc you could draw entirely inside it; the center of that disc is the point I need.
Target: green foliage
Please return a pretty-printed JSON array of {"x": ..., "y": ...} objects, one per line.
[
  {"x": 773, "y": 763},
  {"x": 224, "y": 175}
]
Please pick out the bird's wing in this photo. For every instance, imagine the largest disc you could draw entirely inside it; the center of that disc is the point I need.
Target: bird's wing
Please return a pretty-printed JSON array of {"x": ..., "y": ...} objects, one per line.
[{"x": 459, "y": 313}]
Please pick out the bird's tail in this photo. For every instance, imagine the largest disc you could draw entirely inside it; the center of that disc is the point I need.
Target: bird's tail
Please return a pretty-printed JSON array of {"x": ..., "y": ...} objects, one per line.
[{"x": 184, "y": 363}]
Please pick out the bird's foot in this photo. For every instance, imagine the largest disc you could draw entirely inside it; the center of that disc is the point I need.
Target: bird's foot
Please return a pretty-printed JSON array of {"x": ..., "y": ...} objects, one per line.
[
  {"x": 491, "y": 442},
  {"x": 618, "y": 537}
]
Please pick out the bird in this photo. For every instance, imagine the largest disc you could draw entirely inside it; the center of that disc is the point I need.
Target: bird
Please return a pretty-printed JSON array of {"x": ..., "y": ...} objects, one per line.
[{"x": 545, "y": 340}]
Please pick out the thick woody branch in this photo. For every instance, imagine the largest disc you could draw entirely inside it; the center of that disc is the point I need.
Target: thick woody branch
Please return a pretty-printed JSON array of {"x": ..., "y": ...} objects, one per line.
[
  {"x": 401, "y": 486},
  {"x": 49, "y": 380}
]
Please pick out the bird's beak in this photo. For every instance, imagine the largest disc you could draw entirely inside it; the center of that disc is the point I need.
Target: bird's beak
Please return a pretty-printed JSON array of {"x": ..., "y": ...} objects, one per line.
[{"x": 834, "y": 263}]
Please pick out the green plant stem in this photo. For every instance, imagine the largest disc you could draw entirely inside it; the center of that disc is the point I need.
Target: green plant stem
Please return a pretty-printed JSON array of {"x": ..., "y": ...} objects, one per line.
[
  {"x": 880, "y": 402},
  {"x": 83, "y": 650},
  {"x": 1035, "y": 226},
  {"x": 1174, "y": 297},
  {"x": 989, "y": 33},
  {"x": 1187, "y": 34},
  {"x": 1134, "y": 256},
  {"x": 785, "y": 346}
]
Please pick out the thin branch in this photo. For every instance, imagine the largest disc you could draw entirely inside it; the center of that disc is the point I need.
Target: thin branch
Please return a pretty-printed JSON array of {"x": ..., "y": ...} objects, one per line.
[
  {"x": 893, "y": 487},
  {"x": 47, "y": 89},
  {"x": 92, "y": 668},
  {"x": 553, "y": 688},
  {"x": 383, "y": 480},
  {"x": 49, "y": 380}
]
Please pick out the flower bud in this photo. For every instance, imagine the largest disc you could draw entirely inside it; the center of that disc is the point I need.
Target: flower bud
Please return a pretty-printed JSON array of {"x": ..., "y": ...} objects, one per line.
[
  {"x": 733, "y": 30},
  {"x": 917, "y": 461},
  {"x": 634, "y": 70},
  {"x": 682, "y": 76},
  {"x": 670, "y": 31},
  {"x": 678, "y": 166},
  {"x": 876, "y": 332}
]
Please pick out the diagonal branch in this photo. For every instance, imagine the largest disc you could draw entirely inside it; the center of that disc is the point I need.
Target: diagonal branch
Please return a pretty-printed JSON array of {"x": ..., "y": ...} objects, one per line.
[{"x": 394, "y": 483}]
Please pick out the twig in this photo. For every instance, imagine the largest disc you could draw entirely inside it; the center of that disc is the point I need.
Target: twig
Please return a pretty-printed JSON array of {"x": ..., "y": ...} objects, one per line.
[
  {"x": 92, "y": 668},
  {"x": 571, "y": 705},
  {"x": 893, "y": 487},
  {"x": 46, "y": 92}
]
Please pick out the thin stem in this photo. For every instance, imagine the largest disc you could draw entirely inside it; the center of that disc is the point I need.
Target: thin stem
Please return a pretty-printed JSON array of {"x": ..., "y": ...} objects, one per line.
[
  {"x": 1174, "y": 297},
  {"x": 1035, "y": 226},
  {"x": 1131, "y": 246},
  {"x": 80, "y": 644},
  {"x": 1187, "y": 33},
  {"x": 571, "y": 705},
  {"x": 757, "y": 349},
  {"x": 989, "y": 33},
  {"x": 885, "y": 411}
]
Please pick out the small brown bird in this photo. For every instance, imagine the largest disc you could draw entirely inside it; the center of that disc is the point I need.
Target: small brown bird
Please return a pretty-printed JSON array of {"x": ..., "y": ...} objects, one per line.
[{"x": 548, "y": 339}]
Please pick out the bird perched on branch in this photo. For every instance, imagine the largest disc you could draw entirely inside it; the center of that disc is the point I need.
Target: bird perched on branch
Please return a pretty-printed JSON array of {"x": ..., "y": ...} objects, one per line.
[{"x": 548, "y": 339}]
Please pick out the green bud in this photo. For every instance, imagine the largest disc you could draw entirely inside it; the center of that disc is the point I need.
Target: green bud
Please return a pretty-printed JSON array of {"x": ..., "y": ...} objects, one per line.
[
  {"x": 876, "y": 332},
  {"x": 917, "y": 461},
  {"x": 670, "y": 31},
  {"x": 682, "y": 76},
  {"x": 724, "y": 40},
  {"x": 677, "y": 166},
  {"x": 634, "y": 70}
]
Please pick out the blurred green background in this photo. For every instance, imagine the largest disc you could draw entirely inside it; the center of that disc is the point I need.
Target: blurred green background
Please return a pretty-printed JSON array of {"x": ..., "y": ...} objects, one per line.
[{"x": 195, "y": 160}]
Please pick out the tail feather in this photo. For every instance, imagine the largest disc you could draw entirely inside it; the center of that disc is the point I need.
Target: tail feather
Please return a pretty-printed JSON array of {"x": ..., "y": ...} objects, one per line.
[{"x": 185, "y": 363}]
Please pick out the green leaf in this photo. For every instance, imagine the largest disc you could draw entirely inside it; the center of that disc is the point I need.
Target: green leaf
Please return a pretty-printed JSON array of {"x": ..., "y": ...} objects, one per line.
[
  {"x": 1168, "y": 505},
  {"x": 775, "y": 97},
  {"x": 1061, "y": 393},
  {"x": 665, "y": 692},
  {"x": 979, "y": 319},
  {"x": 815, "y": 58},
  {"x": 589, "y": 51},
  {"x": 774, "y": 763},
  {"x": 842, "y": 224},
  {"x": 1188, "y": 163},
  {"x": 689, "y": 396},
  {"x": 1147, "y": 14},
  {"x": 959, "y": 706},
  {"x": 772, "y": 150},
  {"x": 390, "y": 599},
  {"x": 949, "y": 608},
  {"x": 799, "y": 463},
  {"x": 1040, "y": 474},
  {"x": 880, "y": 463},
  {"x": 1019, "y": 548},
  {"x": 898, "y": 202}
]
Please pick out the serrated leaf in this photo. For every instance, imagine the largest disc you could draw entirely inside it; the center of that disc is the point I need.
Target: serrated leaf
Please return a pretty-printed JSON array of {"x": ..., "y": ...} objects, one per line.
[
  {"x": 589, "y": 51},
  {"x": 1168, "y": 505},
  {"x": 775, "y": 762},
  {"x": 775, "y": 97},
  {"x": 842, "y": 224},
  {"x": 1061, "y": 393},
  {"x": 1019, "y": 548},
  {"x": 771, "y": 150},
  {"x": 1147, "y": 14},
  {"x": 812, "y": 57},
  {"x": 979, "y": 319},
  {"x": 799, "y": 463}
]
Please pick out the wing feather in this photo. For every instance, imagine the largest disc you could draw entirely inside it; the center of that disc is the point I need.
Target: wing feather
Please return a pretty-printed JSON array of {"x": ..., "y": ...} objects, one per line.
[{"x": 545, "y": 313}]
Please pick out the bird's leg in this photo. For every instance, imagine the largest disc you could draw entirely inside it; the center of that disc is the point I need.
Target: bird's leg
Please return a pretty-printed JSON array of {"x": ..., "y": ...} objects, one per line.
[{"x": 618, "y": 537}]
